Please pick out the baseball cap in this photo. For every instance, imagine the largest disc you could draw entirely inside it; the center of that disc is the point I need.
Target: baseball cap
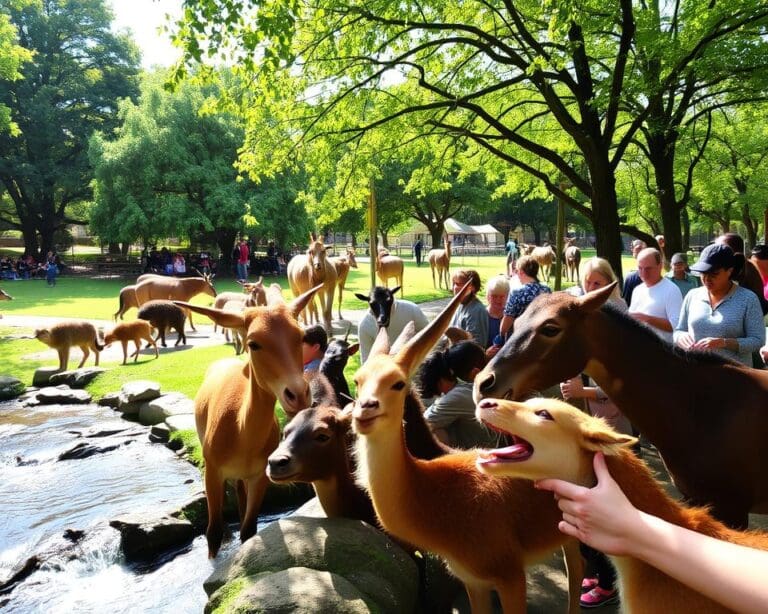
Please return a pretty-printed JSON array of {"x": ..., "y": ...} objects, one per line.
[
  {"x": 713, "y": 257},
  {"x": 679, "y": 258}
]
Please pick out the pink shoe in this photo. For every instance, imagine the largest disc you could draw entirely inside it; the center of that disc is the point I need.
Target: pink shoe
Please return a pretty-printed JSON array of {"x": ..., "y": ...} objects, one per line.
[
  {"x": 598, "y": 597},
  {"x": 587, "y": 584}
]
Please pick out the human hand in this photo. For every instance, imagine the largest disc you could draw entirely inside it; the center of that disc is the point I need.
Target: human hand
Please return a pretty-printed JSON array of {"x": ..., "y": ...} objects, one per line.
[
  {"x": 492, "y": 351},
  {"x": 685, "y": 341},
  {"x": 601, "y": 517},
  {"x": 709, "y": 343},
  {"x": 572, "y": 388},
  {"x": 640, "y": 317}
]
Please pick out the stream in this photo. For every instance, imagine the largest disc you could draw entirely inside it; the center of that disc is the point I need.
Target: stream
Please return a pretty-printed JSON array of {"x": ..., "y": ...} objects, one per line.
[{"x": 42, "y": 497}]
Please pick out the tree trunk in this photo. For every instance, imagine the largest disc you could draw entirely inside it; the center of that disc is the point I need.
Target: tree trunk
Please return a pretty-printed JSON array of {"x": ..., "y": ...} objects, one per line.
[
  {"x": 436, "y": 232},
  {"x": 384, "y": 239},
  {"x": 685, "y": 220},
  {"x": 113, "y": 248},
  {"x": 662, "y": 158},
  {"x": 225, "y": 240},
  {"x": 30, "y": 241},
  {"x": 605, "y": 213}
]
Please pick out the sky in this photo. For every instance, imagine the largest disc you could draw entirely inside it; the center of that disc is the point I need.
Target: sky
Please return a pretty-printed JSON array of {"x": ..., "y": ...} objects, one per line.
[{"x": 144, "y": 17}]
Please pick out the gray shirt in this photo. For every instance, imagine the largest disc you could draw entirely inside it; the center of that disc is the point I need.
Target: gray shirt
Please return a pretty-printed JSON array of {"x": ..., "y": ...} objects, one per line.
[
  {"x": 455, "y": 412},
  {"x": 473, "y": 318}
]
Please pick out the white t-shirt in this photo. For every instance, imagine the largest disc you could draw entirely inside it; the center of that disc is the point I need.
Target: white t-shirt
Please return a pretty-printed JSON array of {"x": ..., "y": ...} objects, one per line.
[
  {"x": 402, "y": 313},
  {"x": 661, "y": 300}
]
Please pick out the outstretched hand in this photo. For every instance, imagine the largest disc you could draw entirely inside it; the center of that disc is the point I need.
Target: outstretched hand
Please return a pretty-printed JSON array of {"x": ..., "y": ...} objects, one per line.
[{"x": 601, "y": 517}]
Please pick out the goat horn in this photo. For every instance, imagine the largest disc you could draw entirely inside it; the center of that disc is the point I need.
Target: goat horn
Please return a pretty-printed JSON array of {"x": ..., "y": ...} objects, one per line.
[{"x": 349, "y": 328}]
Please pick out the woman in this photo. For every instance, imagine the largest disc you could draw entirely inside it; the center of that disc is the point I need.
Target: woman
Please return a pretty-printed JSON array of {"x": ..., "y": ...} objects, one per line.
[
  {"x": 721, "y": 316},
  {"x": 519, "y": 299},
  {"x": 600, "y": 578},
  {"x": 471, "y": 316},
  {"x": 495, "y": 295}
]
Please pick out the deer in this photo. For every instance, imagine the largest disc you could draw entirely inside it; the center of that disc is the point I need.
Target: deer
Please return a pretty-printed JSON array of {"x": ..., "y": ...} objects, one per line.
[
  {"x": 131, "y": 331},
  {"x": 555, "y": 440},
  {"x": 572, "y": 260},
  {"x": 153, "y": 286},
  {"x": 310, "y": 269},
  {"x": 440, "y": 262},
  {"x": 545, "y": 256},
  {"x": 4, "y": 296},
  {"x": 388, "y": 266},
  {"x": 126, "y": 300},
  {"x": 63, "y": 335},
  {"x": 342, "y": 264},
  {"x": 235, "y": 405},
  {"x": 486, "y": 531}
]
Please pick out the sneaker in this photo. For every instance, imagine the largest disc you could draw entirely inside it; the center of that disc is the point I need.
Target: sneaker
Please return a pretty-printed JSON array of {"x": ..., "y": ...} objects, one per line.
[
  {"x": 587, "y": 584},
  {"x": 598, "y": 597}
]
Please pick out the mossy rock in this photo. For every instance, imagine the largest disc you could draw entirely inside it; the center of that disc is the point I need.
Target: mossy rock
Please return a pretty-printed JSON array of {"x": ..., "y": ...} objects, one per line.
[{"x": 10, "y": 387}]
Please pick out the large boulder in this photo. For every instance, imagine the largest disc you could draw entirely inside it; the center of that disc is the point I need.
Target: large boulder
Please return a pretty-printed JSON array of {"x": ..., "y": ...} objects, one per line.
[
  {"x": 376, "y": 566},
  {"x": 77, "y": 378},
  {"x": 10, "y": 387},
  {"x": 144, "y": 538},
  {"x": 298, "y": 590},
  {"x": 111, "y": 399},
  {"x": 181, "y": 422},
  {"x": 61, "y": 395},
  {"x": 171, "y": 404},
  {"x": 140, "y": 390},
  {"x": 43, "y": 375}
]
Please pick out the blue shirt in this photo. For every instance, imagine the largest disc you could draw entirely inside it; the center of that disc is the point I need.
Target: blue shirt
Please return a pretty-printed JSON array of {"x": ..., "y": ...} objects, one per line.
[
  {"x": 688, "y": 283},
  {"x": 738, "y": 316},
  {"x": 519, "y": 299}
]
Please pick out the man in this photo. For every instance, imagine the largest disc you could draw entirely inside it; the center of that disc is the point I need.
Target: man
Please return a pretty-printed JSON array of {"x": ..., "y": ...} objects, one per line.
[
  {"x": 242, "y": 261},
  {"x": 656, "y": 301},
  {"x": 680, "y": 276},
  {"x": 632, "y": 280},
  {"x": 417, "y": 247},
  {"x": 471, "y": 316},
  {"x": 313, "y": 347}
]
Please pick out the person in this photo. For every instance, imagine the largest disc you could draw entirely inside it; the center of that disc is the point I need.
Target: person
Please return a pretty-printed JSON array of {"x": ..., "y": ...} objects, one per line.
[
  {"x": 657, "y": 300},
  {"x": 243, "y": 258},
  {"x": 680, "y": 276},
  {"x": 448, "y": 375},
  {"x": 599, "y": 583},
  {"x": 274, "y": 267},
  {"x": 603, "y": 517},
  {"x": 662, "y": 242},
  {"x": 167, "y": 261},
  {"x": 749, "y": 276},
  {"x": 471, "y": 316},
  {"x": 401, "y": 312},
  {"x": 179, "y": 264},
  {"x": 511, "y": 249},
  {"x": 313, "y": 347},
  {"x": 417, "y": 248},
  {"x": 204, "y": 263},
  {"x": 721, "y": 316},
  {"x": 632, "y": 280},
  {"x": 496, "y": 293},
  {"x": 519, "y": 299},
  {"x": 51, "y": 269},
  {"x": 760, "y": 259}
]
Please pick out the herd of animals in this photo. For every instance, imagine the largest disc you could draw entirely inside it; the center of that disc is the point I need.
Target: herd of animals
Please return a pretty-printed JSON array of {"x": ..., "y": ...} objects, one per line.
[{"x": 373, "y": 457}]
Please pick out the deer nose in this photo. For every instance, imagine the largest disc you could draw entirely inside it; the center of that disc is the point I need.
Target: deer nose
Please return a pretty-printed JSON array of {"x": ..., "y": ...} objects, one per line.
[
  {"x": 369, "y": 404},
  {"x": 278, "y": 462},
  {"x": 487, "y": 383}
]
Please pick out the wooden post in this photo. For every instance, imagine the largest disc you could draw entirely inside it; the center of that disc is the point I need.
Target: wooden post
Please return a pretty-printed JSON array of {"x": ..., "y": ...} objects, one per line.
[
  {"x": 372, "y": 224},
  {"x": 765, "y": 226},
  {"x": 559, "y": 241}
]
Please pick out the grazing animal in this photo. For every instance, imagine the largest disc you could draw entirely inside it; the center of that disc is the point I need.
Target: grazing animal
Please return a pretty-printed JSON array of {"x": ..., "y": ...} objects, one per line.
[
  {"x": 705, "y": 415},
  {"x": 572, "y": 259},
  {"x": 126, "y": 300},
  {"x": 64, "y": 335},
  {"x": 555, "y": 440},
  {"x": 4, "y": 296},
  {"x": 306, "y": 271},
  {"x": 440, "y": 262},
  {"x": 388, "y": 266},
  {"x": 235, "y": 405},
  {"x": 486, "y": 531},
  {"x": 342, "y": 265},
  {"x": 164, "y": 315},
  {"x": 333, "y": 363},
  {"x": 253, "y": 294},
  {"x": 173, "y": 288},
  {"x": 545, "y": 256},
  {"x": 131, "y": 331}
]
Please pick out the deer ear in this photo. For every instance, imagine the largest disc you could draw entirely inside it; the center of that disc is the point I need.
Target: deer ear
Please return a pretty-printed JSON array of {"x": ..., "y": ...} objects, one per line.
[
  {"x": 297, "y": 304},
  {"x": 381, "y": 345},
  {"x": 592, "y": 301},
  {"x": 227, "y": 319},
  {"x": 394, "y": 290},
  {"x": 601, "y": 438},
  {"x": 405, "y": 335},
  {"x": 352, "y": 349},
  {"x": 362, "y": 297}
]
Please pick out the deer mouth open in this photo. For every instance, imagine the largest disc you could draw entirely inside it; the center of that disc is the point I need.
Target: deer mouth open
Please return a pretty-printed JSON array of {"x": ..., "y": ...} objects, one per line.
[{"x": 520, "y": 450}]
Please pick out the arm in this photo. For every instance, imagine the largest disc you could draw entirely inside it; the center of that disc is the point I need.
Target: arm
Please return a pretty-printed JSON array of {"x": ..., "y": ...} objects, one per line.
[
  {"x": 603, "y": 517},
  {"x": 507, "y": 323},
  {"x": 366, "y": 337},
  {"x": 656, "y": 322},
  {"x": 681, "y": 336}
]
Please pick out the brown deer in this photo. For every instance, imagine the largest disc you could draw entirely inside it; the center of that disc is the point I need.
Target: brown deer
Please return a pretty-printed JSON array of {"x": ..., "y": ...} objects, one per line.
[
  {"x": 342, "y": 264},
  {"x": 131, "y": 331},
  {"x": 555, "y": 440},
  {"x": 63, "y": 335},
  {"x": 572, "y": 260},
  {"x": 126, "y": 300},
  {"x": 388, "y": 266},
  {"x": 235, "y": 405},
  {"x": 440, "y": 262},
  {"x": 4, "y": 296},
  {"x": 486, "y": 531},
  {"x": 173, "y": 288},
  {"x": 545, "y": 256},
  {"x": 306, "y": 271}
]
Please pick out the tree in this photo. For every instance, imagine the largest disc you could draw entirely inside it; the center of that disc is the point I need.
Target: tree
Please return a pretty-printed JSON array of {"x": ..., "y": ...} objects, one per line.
[
  {"x": 12, "y": 56},
  {"x": 70, "y": 88}
]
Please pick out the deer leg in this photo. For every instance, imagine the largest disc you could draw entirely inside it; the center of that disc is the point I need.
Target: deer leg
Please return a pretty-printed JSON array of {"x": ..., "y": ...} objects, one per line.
[
  {"x": 214, "y": 496},
  {"x": 256, "y": 488},
  {"x": 63, "y": 358},
  {"x": 86, "y": 353},
  {"x": 512, "y": 592},
  {"x": 433, "y": 275},
  {"x": 124, "y": 343},
  {"x": 191, "y": 324},
  {"x": 480, "y": 599},
  {"x": 341, "y": 289},
  {"x": 150, "y": 341},
  {"x": 137, "y": 343},
  {"x": 574, "y": 569},
  {"x": 242, "y": 498}
]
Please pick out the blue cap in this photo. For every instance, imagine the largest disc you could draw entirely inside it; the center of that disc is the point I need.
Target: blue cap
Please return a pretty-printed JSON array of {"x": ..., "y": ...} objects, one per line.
[{"x": 714, "y": 257}]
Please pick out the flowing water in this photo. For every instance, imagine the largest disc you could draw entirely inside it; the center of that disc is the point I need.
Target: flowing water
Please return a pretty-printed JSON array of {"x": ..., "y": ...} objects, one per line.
[{"x": 41, "y": 497}]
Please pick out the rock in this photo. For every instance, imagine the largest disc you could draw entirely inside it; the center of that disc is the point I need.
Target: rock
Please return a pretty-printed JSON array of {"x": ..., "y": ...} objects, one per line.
[
  {"x": 159, "y": 433},
  {"x": 10, "y": 387},
  {"x": 311, "y": 509},
  {"x": 171, "y": 404},
  {"x": 62, "y": 396},
  {"x": 111, "y": 399},
  {"x": 43, "y": 375},
  {"x": 30, "y": 566},
  {"x": 143, "y": 538},
  {"x": 195, "y": 510},
  {"x": 367, "y": 558},
  {"x": 77, "y": 378},
  {"x": 84, "y": 450},
  {"x": 298, "y": 590},
  {"x": 181, "y": 422},
  {"x": 140, "y": 390},
  {"x": 128, "y": 408}
]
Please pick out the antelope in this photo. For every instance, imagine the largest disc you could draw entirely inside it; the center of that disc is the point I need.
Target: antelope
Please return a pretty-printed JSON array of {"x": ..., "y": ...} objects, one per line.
[
  {"x": 572, "y": 260},
  {"x": 126, "y": 301},
  {"x": 545, "y": 256},
  {"x": 342, "y": 265},
  {"x": 154, "y": 286},
  {"x": 555, "y": 440},
  {"x": 131, "y": 331},
  {"x": 440, "y": 261},
  {"x": 388, "y": 266},
  {"x": 486, "y": 531},
  {"x": 253, "y": 292},
  {"x": 63, "y": 335},
  {"x": 306, "y": 271},
  {"x": 234, "y": 407}
]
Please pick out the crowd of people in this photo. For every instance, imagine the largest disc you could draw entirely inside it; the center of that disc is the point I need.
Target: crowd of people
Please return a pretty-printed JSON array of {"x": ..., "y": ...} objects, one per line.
[{"x": 26, "y": 267}]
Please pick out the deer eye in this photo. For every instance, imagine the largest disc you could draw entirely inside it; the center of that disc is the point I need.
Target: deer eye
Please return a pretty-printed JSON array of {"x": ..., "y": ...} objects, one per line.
[
  {"x": 252, "y": 345},
  {"x": 543, "y": 413},
  {"x": 399, "y": 385},
  {"x": 550, "y": 330},
  {"x": 322, "y": 437}
]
